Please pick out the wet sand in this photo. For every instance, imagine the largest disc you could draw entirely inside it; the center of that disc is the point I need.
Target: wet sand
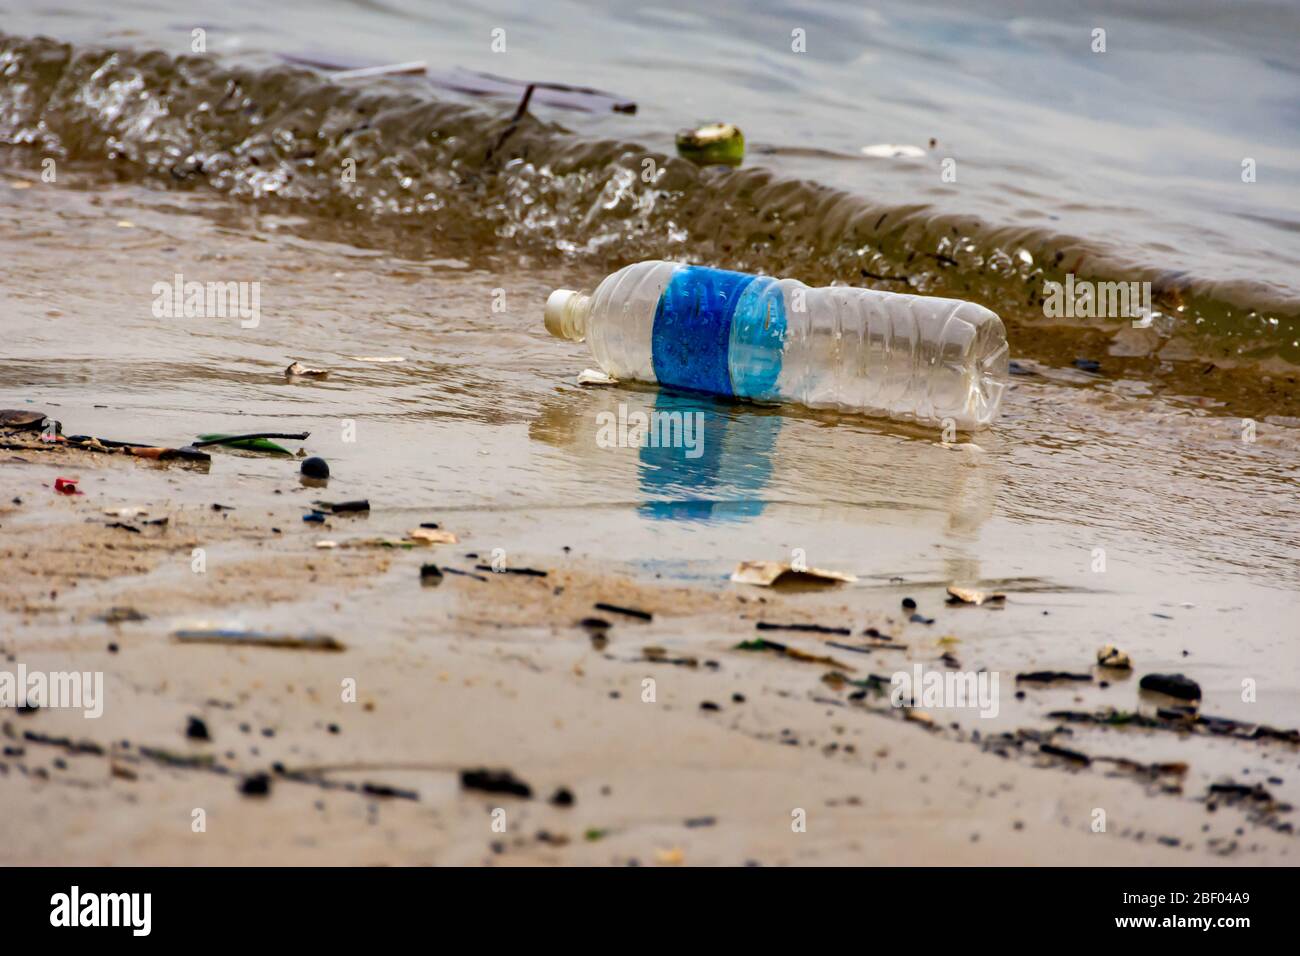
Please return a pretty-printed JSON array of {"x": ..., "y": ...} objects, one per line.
[{"x": 481, "y": 430}]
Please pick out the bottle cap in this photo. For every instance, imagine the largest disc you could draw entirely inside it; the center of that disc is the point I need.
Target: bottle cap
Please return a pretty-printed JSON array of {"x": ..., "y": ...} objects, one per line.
[{"x": 556, "y": 304}]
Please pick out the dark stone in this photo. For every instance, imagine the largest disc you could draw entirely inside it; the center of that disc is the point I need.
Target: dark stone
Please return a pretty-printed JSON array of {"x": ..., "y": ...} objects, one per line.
[
  {"x": 1175, "y": 685},
  {"x": 258, "y": 785},
  {"x": 315, "y": 467}
]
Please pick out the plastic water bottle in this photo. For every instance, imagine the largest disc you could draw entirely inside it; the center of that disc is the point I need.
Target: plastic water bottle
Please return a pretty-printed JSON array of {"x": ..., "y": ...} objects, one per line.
[{"x": 908, "y": 357}]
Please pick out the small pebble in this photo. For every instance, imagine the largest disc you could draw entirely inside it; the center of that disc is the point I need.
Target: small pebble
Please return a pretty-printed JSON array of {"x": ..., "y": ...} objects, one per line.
[{"x": 315, "y": 467}]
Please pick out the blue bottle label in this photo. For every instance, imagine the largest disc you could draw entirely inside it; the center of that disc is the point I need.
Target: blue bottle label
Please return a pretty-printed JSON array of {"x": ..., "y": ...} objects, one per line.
[
  {"x": 712, "y": 325},
  {"x": 692, "y": 331}
]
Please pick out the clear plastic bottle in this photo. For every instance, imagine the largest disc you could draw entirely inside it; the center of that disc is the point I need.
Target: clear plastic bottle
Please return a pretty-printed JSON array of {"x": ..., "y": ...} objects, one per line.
[{"x": 907, "y": 357}]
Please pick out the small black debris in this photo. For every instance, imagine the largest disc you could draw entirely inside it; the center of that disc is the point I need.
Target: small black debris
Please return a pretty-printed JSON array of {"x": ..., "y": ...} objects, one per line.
[
  {"x": 695, "y": 822},
  {"x": 629, "y": 611},
  {"x": 315, "y": 467},
  {"x": 1047, "y": 677},
  {"x": 709, "y": 705},
  {"x": 737, "y": 698},
  {"x": 384, "y": 790},
  {"x": 343, "y": 507},
  {"x": 495, "y": 781},
  {"x": 1175, "y": 685},
  {"x": 196, "y": 729},
  {"x": 258, "y": 785},
  {"x": 909, "y": 604},
  {"x": 1064, "y": 754},
  {"x": 562, "y": 797},
  {"x": 526, "y": 572},
  {"x": 333, "y": 728},
  {"x": 808, "y": 628},
  {"x": 464, "y": 574},
  {"x": 120, "y": 615},
  {"x": 594, "y": 623},
  {"x": 430, "y": 574},
  {"x": 1087, "y": 365},
  {"x": 921, "y": 619}
]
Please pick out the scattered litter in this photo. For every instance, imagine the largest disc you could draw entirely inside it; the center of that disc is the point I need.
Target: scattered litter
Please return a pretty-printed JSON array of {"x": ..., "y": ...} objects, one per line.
[
  {"x": 383, "y": 359},
  {"x": 413, "y": 68},
  {"x": 257, "y": 441},
  {"x": 921, "y": 619},
  {"x": 1072, "y": 755},
  {"x": 125, "y": 527},
  {"x": 770, "y": 573},
  {"x": 19, "y": 419},
  {"x": 591, "y": 376},
  {"x": 759, "y": 644},
  {"x": 1174, "y": 685},
  {"x": 432, "y": 536},
  {"x": 465, "y": 574},
  {"x": 67, "y": 486},
  {"x": 1087, "y": 365},
  {"x": 807, "y": 628},
  {"x": 1112, "y": 656},
  {"x": 629, "y": 611},
  {"x": 495, "y": 781},
  {"x": 694, "y": 823},
  {"x": 221, "y": 635},
  {"x": 659, "y": 655},
  {"x": 892, "y": 151},
  {"x": 457, "y": 78},
  {"x": 562, "y": 797},
  {"x": 256, "y": 785},
  {"x": 968, "y": 596},
  {"x": 526, "y": 572},
  {"x": 315, "y": 517},
  {"x": 196, "y": 729},
  {"x": 127, "y": 513},
  {"x": 1048, "y": 677},
  {"x": 121, "y": 615},
  {"x": 343, "y": 507},
  {"x": 298, "y": 370},
  {"x": 315, "y": 467},
  {"x": 327, "y": 545},
  {"x": 1180, "y": 722},
  {"x": 718, "y": 144},
  {"x": 430, "y": 574}
]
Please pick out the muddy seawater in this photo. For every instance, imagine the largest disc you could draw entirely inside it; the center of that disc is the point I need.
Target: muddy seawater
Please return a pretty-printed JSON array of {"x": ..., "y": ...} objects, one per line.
[{"x": 1139, "y": 490}]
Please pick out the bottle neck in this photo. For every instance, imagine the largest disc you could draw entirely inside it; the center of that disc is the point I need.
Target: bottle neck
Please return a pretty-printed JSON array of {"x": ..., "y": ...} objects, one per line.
[{"x": 566, "y": 314}]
